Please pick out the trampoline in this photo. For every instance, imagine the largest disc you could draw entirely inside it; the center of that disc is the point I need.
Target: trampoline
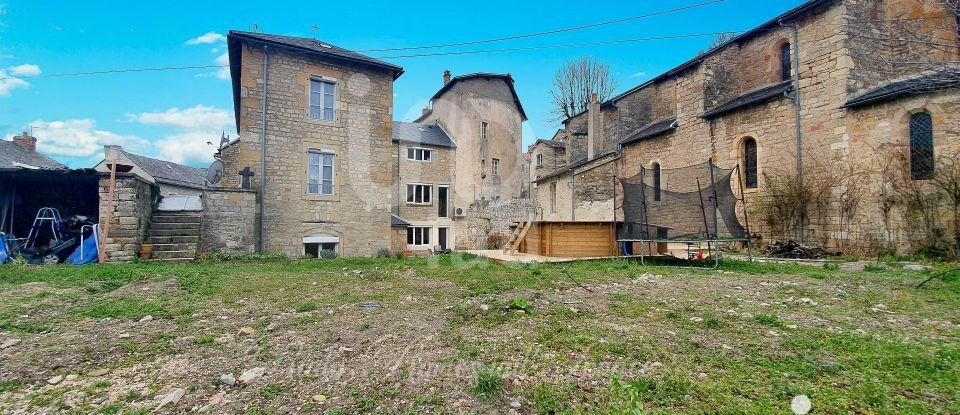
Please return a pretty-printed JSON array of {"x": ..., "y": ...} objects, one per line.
[{"x": 694, "y": 205}]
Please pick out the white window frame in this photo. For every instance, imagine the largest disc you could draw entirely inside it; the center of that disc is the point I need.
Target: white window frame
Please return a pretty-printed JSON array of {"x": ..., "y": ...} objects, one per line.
[
  {"x": 483, "y": 130},
  {"x": 419, "y": 236},
  {"x": 495, "y": 167},
  {"x": 321, "y": 106},
  {"x": 420, "y": 154},
  {"x": 553, "y": 197},
  {"x": 539, "y": 160},
  {"x": 426, "y": 197},
  {"x": 321, "y": 181}
]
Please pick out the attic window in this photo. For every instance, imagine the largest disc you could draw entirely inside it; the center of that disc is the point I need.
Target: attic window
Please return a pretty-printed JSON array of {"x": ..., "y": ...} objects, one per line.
[{"x": 323, "y": 45}]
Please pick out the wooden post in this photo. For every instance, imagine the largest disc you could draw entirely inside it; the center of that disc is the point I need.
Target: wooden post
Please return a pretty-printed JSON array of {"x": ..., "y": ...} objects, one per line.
[{"x": 108, "y": 215}]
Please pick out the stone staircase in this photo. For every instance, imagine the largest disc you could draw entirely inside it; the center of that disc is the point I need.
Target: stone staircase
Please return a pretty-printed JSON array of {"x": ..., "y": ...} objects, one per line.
[{"x": 174, "y": 235}]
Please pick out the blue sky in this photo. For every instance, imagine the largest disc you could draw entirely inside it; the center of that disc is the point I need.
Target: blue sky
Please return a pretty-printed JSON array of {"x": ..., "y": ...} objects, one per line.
[{"x": 172, "y": 114}]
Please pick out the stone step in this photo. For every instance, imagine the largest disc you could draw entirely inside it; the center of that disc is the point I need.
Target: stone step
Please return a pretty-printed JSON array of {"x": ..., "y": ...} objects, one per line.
[
  {"x": 159, "y": 240},
  {"x": 174, "y": 232},
  {"x": 175, "y": 219},
  {"x": 186, "y": 255},
  {"x": 172, "y": 260},
  {"x": 173, "y": 226},
  {"x": 174, "y": 247}
]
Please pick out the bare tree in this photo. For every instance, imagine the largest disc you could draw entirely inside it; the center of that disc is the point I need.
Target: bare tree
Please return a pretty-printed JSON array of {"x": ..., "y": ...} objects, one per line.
[
  {"x": 576, "y": 82},
  {"x": 719, "y": 40}
]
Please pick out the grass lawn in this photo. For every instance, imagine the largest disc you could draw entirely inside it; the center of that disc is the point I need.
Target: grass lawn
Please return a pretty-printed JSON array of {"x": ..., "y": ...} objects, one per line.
[{"x": 460, "y": 335}]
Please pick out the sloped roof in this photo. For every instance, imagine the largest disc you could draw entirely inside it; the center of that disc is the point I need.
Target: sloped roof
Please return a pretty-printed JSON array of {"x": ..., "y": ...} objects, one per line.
[
  {"x": 305, "y": 46},
  {"x": 170, "y": 173},
  {"x": 574, "y": 165},
  {"x": 11, "y": 153},
  {"x": 505, "y": 77},
  {"x": 928, "y": 82},
  {"x": 651, "y": 130},
  {"x": 750, "y": 98},
  {"x": 551, "y": 143},
  {"x": 787, "y": 16},
  {"x": 398, "y": 221},
  {"x": 424, "y": 134}
]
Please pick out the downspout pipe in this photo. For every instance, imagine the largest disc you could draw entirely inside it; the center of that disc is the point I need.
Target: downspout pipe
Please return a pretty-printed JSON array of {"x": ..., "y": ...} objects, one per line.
[
  {"x": 797, "y": 102},
  {"x": 263, "y": 150}
]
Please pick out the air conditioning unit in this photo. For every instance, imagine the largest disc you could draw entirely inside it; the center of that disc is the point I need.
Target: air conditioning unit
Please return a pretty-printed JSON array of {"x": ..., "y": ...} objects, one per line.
[{"x": 460, "y": 212}]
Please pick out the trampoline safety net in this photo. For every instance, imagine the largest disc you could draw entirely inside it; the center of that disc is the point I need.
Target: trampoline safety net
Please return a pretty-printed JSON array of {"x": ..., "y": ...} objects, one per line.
[{"x": 694, "y": 203}]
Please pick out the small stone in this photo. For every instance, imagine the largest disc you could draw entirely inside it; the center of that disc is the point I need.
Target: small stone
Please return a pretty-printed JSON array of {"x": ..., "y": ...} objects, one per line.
[
  {"x": 228, "y": 379},
  {"x": 515, "y": 404},
  {"x": 696, "y": 319},
  {"x": 250, "y": 375},
  {"x": 171, "y": 398},
  {"x": 792, "y": 326},
  {"x": 146, "y": 319},
  {"x": 319, "y": 398},
  {"x": 55, "y": 380},
  {"x": 9, "y": 343},
  {"x": 100, "y": 400},
  {"x": 573, "y": 310},
  {"x": 246, "y": 331},
  {"x": 484, "y": 307},
  {"x": 702, "y": 376},
  {"x": 72, "y": 377},
  {"x": 226, "y": 338},
  {"x": 98, "y": 372},
  {"x": 772, "y": 333},
  {"x": 123, "y": 336}
]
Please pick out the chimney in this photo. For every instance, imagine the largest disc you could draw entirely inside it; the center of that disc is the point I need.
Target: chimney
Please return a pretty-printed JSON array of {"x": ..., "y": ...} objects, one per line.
[
  {"x": 425, "y": 111},
  {"x": 594, "y": 127},
  {"x": 26, "y": 141},
  {"x": 446, "y": 77}
]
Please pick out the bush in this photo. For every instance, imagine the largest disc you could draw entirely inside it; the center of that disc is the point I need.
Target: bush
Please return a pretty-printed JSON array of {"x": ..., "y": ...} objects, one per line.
[
  {"x": 383, "y": 253},
  {"x": 488, "y": 383},
  {"x": 328, "y": 254}
]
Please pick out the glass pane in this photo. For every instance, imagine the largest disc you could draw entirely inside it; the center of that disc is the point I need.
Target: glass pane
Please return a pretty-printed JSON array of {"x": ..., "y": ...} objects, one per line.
[
  {"x": 409, "y": 194},
  {"x": 427, "y": 193},
  {"x": 316, "y": 87},
  {"x": 327, "y": 189},
  {"x": 328, "y": 101},
  {"x": 314, "y": 99},
  {"x": 328, "y": 159},
  {"x": 313, "y": 188},
  {"x": 419, "y": 194},
  {"x": 427, "y": 155},
  {"x": 314, "y": 159},
  {"x": 327, "y": 173},
  {"x": 328, "y": 114},
  {"x": 315, "y": 113},
  {"x": 426, "y": 236},
  {"x": 328, "y": 88},
  {"x": 410, "y": 235},
  {"x": 410, "y": 153}
]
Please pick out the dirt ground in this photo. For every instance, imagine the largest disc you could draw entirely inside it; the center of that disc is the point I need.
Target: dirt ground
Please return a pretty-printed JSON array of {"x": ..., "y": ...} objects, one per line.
[{"x": 397, "y": 336}]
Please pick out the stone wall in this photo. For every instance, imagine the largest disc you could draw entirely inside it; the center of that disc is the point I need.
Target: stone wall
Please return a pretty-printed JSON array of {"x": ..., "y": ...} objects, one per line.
[
  {"x": 360, "y": 137},
  {"x": 132, "y": 209},
  {"x": 229, "y": 221},
  {"x": 492, "y": 218}
]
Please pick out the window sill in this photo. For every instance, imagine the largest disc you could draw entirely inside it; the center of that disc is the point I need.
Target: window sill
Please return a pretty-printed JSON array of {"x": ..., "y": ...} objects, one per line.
[
  {"x": 322, "y": 198},
  {"x": 419, "y": 204},
  {"x": 334, "y": 123}
]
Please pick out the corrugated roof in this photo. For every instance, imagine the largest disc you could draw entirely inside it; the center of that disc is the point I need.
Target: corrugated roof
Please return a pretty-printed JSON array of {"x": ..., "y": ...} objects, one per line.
[
  {"x": 170, "y": 173},
  {"x": 751, "y": 98},
  {"x": 651, "y": 130},
  {"x": 505, "y": 77},
  {"x": 11, "y": 153},
  {"x": 928, "y": 82},
  {"x": 424, "y": 134}
]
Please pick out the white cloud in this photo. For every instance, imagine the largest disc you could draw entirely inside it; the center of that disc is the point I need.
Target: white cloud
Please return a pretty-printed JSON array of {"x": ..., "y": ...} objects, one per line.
[
  {"x": 198, "y": 117},
  {"x": 25, "y": 70},
  {"x": 207, "y": 38},
  {"x": 188, "y": 148},
  {"x": 8, "y": 83},
  {"x": 80, "y": 138},
  {"x": 640, "y": 74},
  {"x": 224, "y": 72}
]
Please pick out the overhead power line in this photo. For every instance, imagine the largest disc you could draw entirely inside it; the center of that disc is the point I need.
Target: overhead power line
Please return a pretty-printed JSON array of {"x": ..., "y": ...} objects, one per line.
[{"x": 549, "y": 32}]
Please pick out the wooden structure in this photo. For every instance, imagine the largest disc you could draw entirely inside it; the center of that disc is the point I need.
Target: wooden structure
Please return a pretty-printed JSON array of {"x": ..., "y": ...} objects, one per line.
[
  {"x": 517, "y": 237},
  {"x": 571, "y": 239}
]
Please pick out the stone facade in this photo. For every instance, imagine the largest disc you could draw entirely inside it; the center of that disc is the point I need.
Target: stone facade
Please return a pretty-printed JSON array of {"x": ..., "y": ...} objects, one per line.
[
  {"x": 132, "y": 208},
  {"x": 358, "y": 213},
  {"x": 490, "y": 223},
  {"x": 843, "y": 149},
  {"x": 228, "y": 222},
  {"x": 439, "y": 172}
]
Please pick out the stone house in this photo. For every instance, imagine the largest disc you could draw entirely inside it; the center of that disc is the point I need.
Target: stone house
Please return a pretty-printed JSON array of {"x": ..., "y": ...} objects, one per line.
[
  {"x": 483, "y": 115},
  {"x": 426, "y": 173},
  {"x": 180, "y": 186},
  {"x": 316, "y": 130},
  {"x": 738, "y": 105}
]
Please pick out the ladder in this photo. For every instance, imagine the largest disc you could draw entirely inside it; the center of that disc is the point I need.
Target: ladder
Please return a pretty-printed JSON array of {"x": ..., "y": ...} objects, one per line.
[
  {"x": 45, "y": 216},
  {"x": 516, "y": 238}
]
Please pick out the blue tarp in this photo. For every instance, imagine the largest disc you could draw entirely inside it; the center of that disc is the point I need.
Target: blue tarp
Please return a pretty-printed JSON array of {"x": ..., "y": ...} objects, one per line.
[
  {"x": 4, "y": 256},
  {"x": 87, "y": 252}
]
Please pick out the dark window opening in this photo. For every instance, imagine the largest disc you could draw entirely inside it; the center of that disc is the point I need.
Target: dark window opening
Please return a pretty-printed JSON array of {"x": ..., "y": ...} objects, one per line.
[
  {"x": 443, "y": 197},
  {"x": 750, "y": 163},
  {"x": 921, "y": 146},
  {"x": 656, "y": 182},
  {"x": 312, "y": 250},
  {"x": 786, "y": 67}
]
